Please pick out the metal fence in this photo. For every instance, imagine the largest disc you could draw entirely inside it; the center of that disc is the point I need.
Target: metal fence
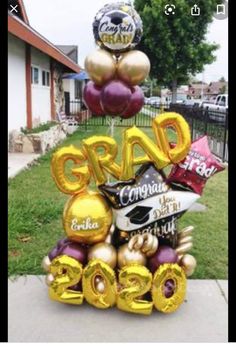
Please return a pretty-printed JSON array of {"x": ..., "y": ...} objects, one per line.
[{"x": 214, "y": 124}]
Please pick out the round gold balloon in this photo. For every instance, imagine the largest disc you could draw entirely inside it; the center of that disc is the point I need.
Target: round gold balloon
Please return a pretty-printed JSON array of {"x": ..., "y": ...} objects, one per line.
[
  {"x": 188, "y": 263},
  {"x": 87, "y": 218},
  {"x": 100, "y": 66},
  {"x": 104, "y": 251},
  {"x": 127, "y": 257},
  {"x": 133, "y": 67},
  {"x": 46, "y": 263}
]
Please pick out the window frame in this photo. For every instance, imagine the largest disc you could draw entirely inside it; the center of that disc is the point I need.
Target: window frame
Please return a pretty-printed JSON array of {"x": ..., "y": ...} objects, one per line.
[{"x": 33, "y": 66}]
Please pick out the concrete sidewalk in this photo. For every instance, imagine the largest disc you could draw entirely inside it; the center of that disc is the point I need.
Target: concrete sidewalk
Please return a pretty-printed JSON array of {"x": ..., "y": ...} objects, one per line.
[
  {"x": 18, "y": 162},
  {"x": 33, "y": 317}
]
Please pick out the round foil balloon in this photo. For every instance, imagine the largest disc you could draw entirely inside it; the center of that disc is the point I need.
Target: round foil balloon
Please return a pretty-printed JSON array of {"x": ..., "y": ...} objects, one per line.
[
  {"x": 115, "y": 97},
  {"x": 136, "y": 103},
  {"x": 117, "y": 27},
  {"x": 100, "y": 66},
  {"x": 87, "y": 218},
  {"x": 133, "y": 67},
  {"x": 91, "y": 97}
]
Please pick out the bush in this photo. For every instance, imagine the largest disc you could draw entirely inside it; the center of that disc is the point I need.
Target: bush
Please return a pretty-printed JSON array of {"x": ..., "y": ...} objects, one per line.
[{"x": 42, "y": 127}]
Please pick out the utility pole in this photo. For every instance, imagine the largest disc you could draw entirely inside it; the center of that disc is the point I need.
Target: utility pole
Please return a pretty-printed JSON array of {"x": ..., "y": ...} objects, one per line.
[{"x": 203, "y": 78}]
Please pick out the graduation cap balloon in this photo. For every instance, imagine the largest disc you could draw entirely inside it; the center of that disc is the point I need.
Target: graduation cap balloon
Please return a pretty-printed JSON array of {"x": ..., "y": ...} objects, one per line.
[{"x": 147, "y": 204}]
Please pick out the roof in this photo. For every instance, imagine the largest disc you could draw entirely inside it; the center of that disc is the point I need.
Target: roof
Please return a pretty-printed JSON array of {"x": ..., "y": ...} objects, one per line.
[
  {"x": 70, "y": 50},
  {"x": 23, "y": 31}
]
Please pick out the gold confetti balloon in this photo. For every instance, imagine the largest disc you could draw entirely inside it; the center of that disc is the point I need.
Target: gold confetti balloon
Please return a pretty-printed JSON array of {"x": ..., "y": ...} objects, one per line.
[{"x": 87, "y": 218}]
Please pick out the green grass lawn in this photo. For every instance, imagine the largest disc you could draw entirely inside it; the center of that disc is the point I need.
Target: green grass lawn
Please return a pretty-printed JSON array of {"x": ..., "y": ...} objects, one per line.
[{"x": 36, "y": 206}]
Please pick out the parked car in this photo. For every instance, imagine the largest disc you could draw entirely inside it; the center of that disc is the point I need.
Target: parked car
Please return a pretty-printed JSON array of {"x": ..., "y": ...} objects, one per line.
[
  {"x": 154, "y": 101},
  {"x": 217, "y": 110}
]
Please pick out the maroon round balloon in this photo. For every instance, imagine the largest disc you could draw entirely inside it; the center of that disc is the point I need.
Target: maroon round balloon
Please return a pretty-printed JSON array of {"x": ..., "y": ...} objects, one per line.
[
  {"x": 164, "y": 254},
  {"x": 136, "y": 103},
  {"x": 91, "y": 95},
  {"x": 75, "y": 251},
  {"x": 169, "y": 288},
  {"x": 115, "y": 97},
  {"x": 69, "y": 248}
]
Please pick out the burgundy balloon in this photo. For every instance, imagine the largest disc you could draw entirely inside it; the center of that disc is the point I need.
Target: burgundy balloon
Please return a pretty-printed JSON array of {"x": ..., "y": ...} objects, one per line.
[
  {"x": 91, "y": 95},
  {"x": 61, "y": 243},
  {"x": 53, "y": 253},
  {"x": 164, "y": 254},
  {"x": 75, "y": 251},
  {"x": 115, "y": 97},
  {"x": 169, "y": 288},
  {"x": 136, "y": 103}
]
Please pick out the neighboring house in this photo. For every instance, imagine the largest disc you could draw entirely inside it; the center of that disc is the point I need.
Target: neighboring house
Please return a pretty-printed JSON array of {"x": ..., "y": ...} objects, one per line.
[
  {"x": 73, "y": 83},
  {"x": 216, "y": 88},
  {"x": 197, "y": 90},
  {"x": 35, "y": 70}
]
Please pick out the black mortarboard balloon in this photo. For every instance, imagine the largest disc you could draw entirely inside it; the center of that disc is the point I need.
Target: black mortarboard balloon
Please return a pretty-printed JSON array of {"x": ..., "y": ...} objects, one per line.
[
  {"x": 117, "y": 17},
  {"x": 139, "y": 214}
]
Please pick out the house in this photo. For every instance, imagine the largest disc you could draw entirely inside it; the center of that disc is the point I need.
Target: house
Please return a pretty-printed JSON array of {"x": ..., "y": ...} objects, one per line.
[
  {"x": 197, "y": 90},
  {"x": 216, "y": 88},
  {"x": 35, "y": 71}
]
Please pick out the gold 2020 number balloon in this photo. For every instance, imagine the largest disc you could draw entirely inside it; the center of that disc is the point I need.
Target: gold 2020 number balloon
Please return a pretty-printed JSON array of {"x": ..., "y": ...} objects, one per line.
[
  {"x": 100, "y": 66},
  {"x": 87, "y": 218},
  {"x": 133, "y": 67},
  {"x": 98, "y": 269},
  {"x": 136, "y": 280},
  {"x": 168, "y": 271}
]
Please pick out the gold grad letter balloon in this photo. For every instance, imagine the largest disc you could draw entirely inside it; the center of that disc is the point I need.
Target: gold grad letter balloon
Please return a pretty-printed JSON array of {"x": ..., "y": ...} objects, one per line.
[
  {"x": 98, "y": 268},
  {"x": 87, "y": 218},
  {"x": 133, "y": 67},
  {"x": 104, "y": 161},
  {"x": 67, "y": 272},
  {"x": 164, "y": 273},
  {"x": 59, "y": 159},
  {"x": 135, "y": 281},
  {"x": 134, "y": 136},
  {"x": 176, "y": 121},
  {"x": 101, "y": 66}
]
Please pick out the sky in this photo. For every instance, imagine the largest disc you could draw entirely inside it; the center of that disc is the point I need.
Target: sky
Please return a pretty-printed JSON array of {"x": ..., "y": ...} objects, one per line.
[{"x": 69, "y": 22}]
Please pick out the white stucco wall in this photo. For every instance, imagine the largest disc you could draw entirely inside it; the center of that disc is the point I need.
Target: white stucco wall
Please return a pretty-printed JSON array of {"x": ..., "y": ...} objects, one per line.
[
  {"x": 41, "y": 106},
  {"x": 16, "y": 84},
  {"x": 69, "y": 86}
]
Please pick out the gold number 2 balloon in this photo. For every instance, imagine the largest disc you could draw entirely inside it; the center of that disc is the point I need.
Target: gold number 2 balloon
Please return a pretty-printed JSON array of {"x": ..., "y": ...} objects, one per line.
[
  {"x": 135, "y": 281},
  {"x": 67, "y": 272},
  {"x": 97, "y": 268},
  {"x": 164, "y": 273}
]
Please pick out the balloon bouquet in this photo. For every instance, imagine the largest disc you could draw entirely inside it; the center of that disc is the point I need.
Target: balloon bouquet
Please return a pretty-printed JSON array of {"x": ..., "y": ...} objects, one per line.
[{"x": 123, "y": 245}]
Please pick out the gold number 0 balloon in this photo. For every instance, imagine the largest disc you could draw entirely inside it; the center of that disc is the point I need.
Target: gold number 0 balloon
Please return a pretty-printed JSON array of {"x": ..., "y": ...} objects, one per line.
[
  {"x": 166, "y": 272},
  {"x": 67, "y": 272},
  {"x": 93, "y": 269},
  {"x": 137, "y": 281}
]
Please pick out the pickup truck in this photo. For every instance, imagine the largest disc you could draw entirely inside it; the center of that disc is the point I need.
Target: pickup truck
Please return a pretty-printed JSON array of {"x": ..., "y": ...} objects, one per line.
[{"x": 218, "y": 109}]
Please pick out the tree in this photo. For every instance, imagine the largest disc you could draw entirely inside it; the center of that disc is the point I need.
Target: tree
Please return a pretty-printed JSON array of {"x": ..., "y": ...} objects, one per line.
[
  {"x": 175, "y": 44},
  {"x": 222, "y": 79}
]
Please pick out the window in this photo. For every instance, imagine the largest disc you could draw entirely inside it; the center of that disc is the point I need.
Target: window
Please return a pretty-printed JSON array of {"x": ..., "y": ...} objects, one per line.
[
  {"x": 34, "y": 75},
  {"x": 45, "y": 78}
]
